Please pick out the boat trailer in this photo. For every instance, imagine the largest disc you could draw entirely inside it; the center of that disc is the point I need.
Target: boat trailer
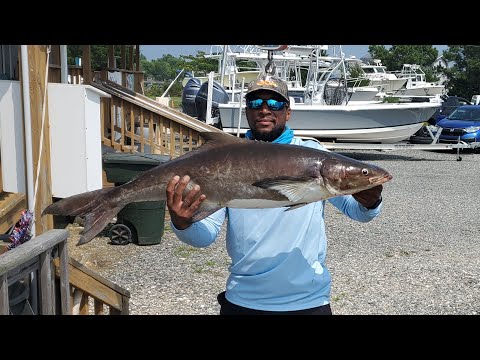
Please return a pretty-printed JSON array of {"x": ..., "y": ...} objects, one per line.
[{"x": 433, "y": 146}]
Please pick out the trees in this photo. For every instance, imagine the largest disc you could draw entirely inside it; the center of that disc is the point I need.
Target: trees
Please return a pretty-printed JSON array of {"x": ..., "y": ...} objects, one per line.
[
  {"x": 464, "y": 70},
  {"x": 397, "y": 55}
]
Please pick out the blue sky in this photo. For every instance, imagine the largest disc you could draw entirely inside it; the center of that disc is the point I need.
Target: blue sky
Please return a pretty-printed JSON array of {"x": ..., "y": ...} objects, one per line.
[{"x": 157, "y": 51}]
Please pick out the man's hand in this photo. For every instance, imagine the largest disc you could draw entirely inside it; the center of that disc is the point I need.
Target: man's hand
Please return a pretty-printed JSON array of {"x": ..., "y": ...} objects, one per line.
[
  {"x": 182, "y": 208},
  {"x": 369, "y": 197}
]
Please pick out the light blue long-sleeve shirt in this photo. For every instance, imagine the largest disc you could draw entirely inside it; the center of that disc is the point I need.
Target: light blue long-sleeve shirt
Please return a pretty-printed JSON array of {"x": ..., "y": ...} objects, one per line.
[{"x": 278, "y": 256}]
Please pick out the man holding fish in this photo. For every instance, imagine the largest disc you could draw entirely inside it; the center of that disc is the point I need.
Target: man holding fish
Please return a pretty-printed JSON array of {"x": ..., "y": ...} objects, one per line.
[{"x": 278, "y": 253}]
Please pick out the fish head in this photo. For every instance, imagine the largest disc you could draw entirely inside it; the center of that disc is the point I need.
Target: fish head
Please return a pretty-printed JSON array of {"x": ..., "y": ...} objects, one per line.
[{"x": 344, "y": 176}]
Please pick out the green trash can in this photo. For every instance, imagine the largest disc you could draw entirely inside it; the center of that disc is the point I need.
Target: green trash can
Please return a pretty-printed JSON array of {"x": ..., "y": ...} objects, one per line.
[{"x": 140, "y": 222}]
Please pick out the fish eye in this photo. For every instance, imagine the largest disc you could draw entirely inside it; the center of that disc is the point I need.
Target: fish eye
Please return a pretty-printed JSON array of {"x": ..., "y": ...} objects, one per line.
[{"x": 364, "y": 171}]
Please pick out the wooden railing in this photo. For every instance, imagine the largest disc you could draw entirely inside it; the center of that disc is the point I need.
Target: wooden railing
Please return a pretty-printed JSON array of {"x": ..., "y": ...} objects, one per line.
[
  {"x": 35, "y": 256},
  {"x": 93, "y": 294},
  {"x": 132, "y": 122},
  {"x": 80, "y": 291}
]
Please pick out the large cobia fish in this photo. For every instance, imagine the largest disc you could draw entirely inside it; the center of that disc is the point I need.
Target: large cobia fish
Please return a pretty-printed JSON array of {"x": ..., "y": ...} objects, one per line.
[{"x": 231, "y": 172}]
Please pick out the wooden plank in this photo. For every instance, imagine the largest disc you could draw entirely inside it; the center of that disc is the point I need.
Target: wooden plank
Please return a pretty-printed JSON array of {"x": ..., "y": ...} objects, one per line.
[
  {"x": 78, "y": 265},
  {"x": 151, "y": 133},
  {"x": 66, "y": 305},
  {"x": 47, "y": 289},
  {"x": 132, "y": 127},
  {"x": 30, "y": 249},
  {"x": 4, "y": 304},
  {"x": 97, "y": 307},
  {"x": 137, "y": 58},
  {"x": 122, "y": 123},
  {"x": 87, "y": 65},
  {"x": 11, "y": 207},
  {"x": 181, "y": 139},
  {"x": 93, "y": 284},
  {"x": 112, "y": 121},
  {"x": 126, "y": 306},
  {"x": 172, "y": 140},
  {"x": 94, "y": 288},
  {"x": 37, "y": 59},
  {"x": 84, "y": 304},
  {"x": 130, "y": 57},
  {"x": 9, "y": 201},
  {"x": 142, "y": 138},
  {"x": 190, "y": 140},
  {"x": 123, "y": 57}
]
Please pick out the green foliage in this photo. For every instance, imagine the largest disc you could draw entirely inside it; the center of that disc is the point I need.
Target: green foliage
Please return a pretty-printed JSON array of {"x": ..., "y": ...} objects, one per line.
[
  {"x": 355, "y": 72},
  {"x": 464, "y": 70},
  {"x": 391, "y": 99},
  {"x": 99, "y": 55},
  {"x": 397, "y": 55}
]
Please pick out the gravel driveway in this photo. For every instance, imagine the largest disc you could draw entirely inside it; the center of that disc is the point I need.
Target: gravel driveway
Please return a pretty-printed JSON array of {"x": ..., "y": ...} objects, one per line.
[{"x": 420, "y": 256}]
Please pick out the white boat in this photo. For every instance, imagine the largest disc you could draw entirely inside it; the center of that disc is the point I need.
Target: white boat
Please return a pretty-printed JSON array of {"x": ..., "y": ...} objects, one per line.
[
  {"x": 416, "y": 84},
  {"x": 327, "y": 108},
  {"x": 378, "y": 75},
  {"x": 328, "y": 113},
  {"x": 371, "y": 123}
]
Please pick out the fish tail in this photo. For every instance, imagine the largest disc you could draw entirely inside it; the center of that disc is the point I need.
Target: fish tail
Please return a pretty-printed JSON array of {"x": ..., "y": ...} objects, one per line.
[
  {"x": 96, "y": 207},
  {"x": 96, "y": 220}
]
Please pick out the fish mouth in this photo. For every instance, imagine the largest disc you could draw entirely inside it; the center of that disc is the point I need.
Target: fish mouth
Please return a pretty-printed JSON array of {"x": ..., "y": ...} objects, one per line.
[{"x": 380, "y": 179}]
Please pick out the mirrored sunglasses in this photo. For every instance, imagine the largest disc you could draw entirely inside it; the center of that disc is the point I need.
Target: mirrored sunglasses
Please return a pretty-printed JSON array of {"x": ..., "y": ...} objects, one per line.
[{"x": 272, "y": 104}]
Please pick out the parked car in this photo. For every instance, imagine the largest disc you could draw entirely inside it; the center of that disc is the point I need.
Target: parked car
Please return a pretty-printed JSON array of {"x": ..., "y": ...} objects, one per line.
[
  {"x": 449, "y": 104},
  {"x": 464, "y": 122}
]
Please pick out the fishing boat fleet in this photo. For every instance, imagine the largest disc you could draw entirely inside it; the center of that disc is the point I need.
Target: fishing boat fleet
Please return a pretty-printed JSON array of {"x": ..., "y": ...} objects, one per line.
[{"x": 332, "y": 98}]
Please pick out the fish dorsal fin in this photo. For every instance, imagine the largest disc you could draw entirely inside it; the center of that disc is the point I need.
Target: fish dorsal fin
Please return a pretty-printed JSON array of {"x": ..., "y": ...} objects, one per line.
[
  {"x": 220, "y": 138},
  {"x": 294, "y": 188},
  {"x": 213, "y": 139}
]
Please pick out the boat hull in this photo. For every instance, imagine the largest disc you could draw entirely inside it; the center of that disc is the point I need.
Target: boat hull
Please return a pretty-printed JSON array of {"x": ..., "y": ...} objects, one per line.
[{"x": 372, "y": 123}]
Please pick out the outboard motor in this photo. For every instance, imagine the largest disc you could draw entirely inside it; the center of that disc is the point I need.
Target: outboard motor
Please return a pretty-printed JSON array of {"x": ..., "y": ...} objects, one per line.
[
  {"x": 188, "y": 96},
  {"x": 219, "y": 96}
]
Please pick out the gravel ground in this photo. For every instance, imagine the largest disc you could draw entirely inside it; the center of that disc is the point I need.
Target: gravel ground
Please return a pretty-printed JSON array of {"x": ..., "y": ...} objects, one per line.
[{"x": 420, "y": 256}]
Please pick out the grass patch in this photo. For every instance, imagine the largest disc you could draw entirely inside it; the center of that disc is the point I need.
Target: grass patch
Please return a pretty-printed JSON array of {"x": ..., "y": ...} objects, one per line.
[
  {"x": 339, "y": 297},
  {"x": 184, "y": 251}
]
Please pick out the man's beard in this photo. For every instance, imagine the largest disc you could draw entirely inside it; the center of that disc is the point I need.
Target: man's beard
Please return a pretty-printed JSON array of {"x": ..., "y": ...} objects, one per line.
[{"x": 268, "y": 136}]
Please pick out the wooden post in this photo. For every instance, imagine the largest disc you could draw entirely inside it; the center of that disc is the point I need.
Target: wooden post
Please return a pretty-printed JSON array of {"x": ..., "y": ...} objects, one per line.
[
  {"x": 130, "y": 57},
  {"x": 111, "y": 57},
  {"x": 137, "y": 58},
  {"x": 87, "y": 65},
  {"x": 123, "y": 57},
  {"x": 37, "y": 60}
]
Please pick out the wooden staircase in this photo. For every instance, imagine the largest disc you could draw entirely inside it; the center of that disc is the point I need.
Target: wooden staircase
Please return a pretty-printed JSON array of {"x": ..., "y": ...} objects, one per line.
[{"x": 11, "y": 207}]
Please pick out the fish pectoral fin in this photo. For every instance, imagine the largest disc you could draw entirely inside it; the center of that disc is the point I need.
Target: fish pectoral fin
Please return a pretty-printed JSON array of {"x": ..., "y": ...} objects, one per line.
[
  {"x": 206, "y": 208},
  {"x": 293, "y": 188}
]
